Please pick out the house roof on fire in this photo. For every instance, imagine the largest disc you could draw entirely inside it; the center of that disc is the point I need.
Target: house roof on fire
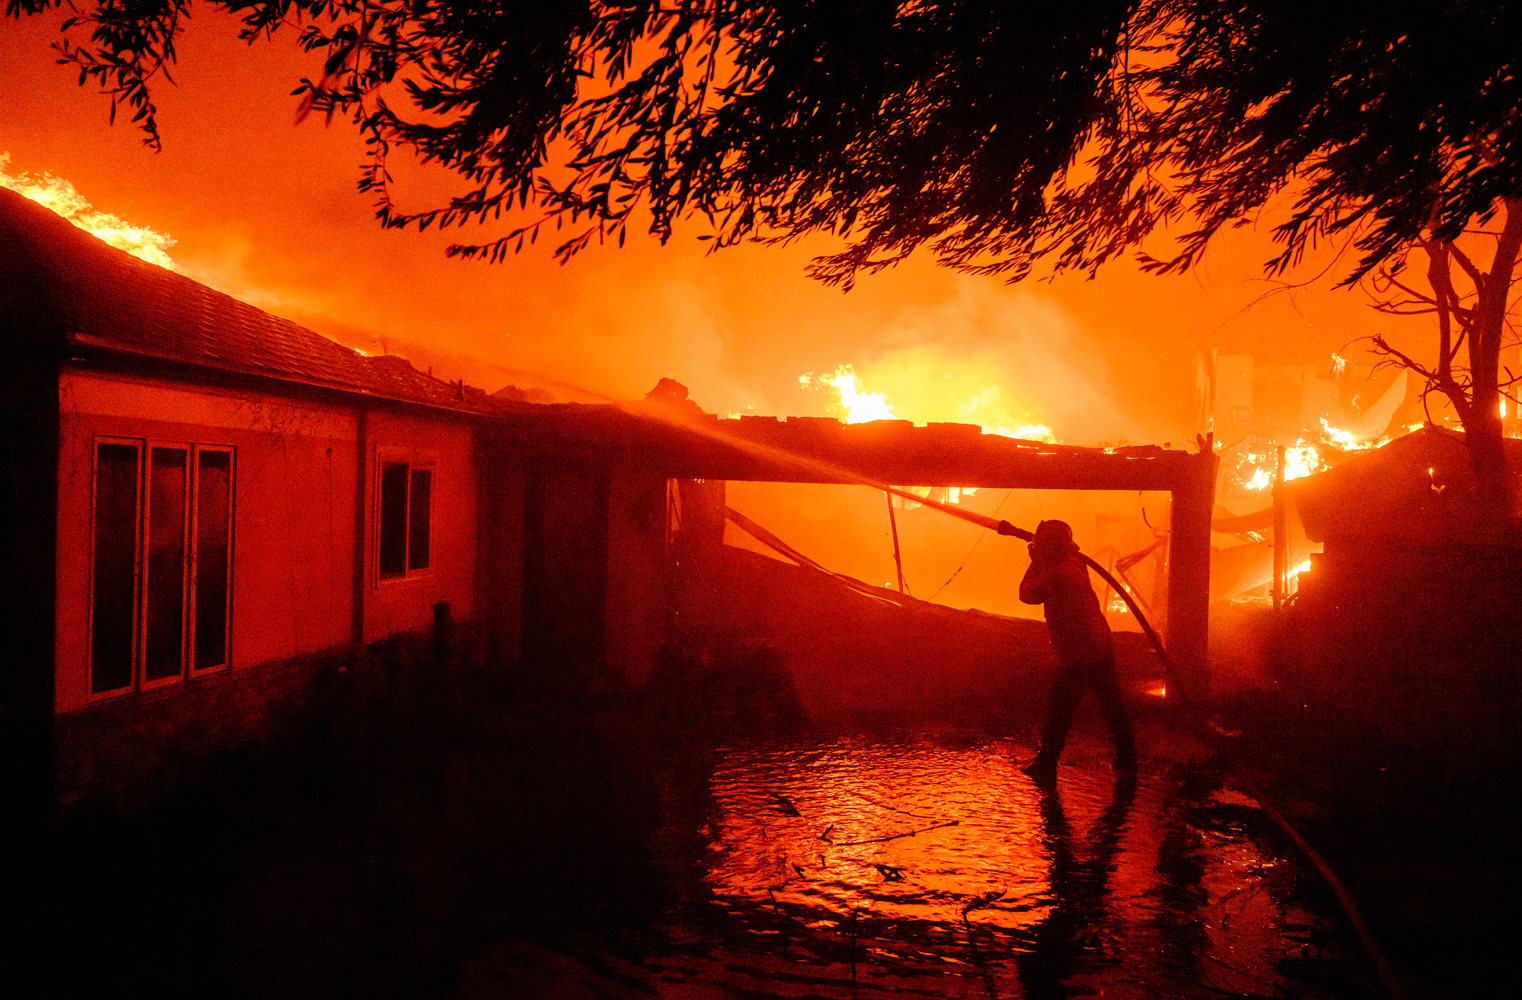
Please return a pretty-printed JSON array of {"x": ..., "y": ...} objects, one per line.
[
  {"x": 60, "y": 287},
  {"x": 64, "y": 282},
  {"x": 1418, "y": 489}
]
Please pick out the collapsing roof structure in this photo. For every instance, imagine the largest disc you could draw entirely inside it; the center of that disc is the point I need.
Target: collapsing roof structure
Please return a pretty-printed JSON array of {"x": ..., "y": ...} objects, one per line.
[{"x": 1418, "y": 489}]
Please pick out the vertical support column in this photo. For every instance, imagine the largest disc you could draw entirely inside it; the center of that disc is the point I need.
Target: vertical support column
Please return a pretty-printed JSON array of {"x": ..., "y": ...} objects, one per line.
[
  {"x": 1281, "y": 531},
  {"x": 361, "y": 523},
  {"x": 1189, "y": 570},
  {"x": 695, "y": 604},
  {"x": 898, "y": 559},
  {"x": 29, "y": 440},
  {"x": 33, "y": 348},
  {"x": 636, "y": 578},
  {"x": 503, "y": 479}
]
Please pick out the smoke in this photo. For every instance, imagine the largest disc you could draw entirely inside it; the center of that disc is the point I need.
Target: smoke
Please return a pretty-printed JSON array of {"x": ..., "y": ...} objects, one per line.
[
  {"x": 1005, "y": 358},
  {"x": 226, "y": 267}
]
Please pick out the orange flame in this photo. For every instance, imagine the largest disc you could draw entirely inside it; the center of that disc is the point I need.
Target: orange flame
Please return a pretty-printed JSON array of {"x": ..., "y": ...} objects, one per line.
[
  {"x": 1300, "y": 459},
  {"x": 858, "y": 405},
  {"x": 1347, "y": 440},
  {"x": 60, "y": 196}
]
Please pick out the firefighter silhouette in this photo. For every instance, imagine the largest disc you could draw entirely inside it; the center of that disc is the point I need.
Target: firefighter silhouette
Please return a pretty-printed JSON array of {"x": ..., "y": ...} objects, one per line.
[{"x": 1059, "y": 580}]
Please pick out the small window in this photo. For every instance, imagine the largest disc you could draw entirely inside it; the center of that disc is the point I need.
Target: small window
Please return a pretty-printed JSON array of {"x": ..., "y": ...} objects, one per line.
[{"x": 406, "y": 515}]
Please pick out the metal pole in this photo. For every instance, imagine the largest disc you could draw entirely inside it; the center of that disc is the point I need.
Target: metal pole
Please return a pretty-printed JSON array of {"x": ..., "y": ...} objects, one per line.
[
  {"x": 898, "y": 560},
  {"x": 1281, "y": 530}
]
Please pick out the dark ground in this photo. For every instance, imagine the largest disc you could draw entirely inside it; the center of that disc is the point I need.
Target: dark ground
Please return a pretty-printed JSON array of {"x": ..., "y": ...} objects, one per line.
[
  {"x": 1422, "y": 833},
  {"x": 402, "y": 823}
]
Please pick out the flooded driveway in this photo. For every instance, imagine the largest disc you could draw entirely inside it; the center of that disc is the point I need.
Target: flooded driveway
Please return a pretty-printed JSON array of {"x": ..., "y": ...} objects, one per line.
[{"x": 930, "y": 866}]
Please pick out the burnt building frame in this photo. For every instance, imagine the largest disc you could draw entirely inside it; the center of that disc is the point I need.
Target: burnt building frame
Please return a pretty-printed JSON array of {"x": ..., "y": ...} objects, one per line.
[{"x": 688, "y": 446}]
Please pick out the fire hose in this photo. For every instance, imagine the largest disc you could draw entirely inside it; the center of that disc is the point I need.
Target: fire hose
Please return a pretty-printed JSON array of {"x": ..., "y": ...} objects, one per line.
[
  {"x": 1169, "y": 668},
  {"x": 1361, "y": 930}
]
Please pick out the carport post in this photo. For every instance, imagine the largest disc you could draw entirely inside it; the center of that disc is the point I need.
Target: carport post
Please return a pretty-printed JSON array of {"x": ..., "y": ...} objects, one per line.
[{"x": 1189, "y": 569}]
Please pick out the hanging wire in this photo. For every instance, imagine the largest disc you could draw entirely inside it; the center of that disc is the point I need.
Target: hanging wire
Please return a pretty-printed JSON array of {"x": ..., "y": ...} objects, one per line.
[
  {"x": 1143, "y": 505},
  {"x": 978, "y": 541}
]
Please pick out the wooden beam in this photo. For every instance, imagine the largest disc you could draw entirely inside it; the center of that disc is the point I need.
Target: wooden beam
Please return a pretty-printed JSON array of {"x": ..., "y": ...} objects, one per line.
[{"x": 815, "y": 450}]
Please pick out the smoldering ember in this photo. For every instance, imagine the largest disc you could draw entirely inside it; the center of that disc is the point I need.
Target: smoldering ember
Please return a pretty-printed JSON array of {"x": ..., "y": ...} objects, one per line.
[{"x": 545, "y": 617}]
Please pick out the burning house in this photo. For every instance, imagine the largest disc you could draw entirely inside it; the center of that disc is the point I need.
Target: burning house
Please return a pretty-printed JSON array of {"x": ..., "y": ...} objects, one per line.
[
  {"x": 212, "y": 508},
  {"x": 1405, "y": 547}
]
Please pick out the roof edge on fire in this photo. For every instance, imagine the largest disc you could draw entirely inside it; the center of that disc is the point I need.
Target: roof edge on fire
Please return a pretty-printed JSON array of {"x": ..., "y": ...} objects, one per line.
[
  {"x": 91, "y": 298},
  {"x": 1417, "y": 490}
]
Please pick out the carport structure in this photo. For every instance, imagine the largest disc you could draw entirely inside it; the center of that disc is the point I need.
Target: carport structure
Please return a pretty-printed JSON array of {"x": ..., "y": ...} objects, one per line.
[{"x": 616, "y": 460}]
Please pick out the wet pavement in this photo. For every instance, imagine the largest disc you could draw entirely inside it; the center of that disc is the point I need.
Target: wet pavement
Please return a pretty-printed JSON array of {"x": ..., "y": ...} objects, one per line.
[{"x": 930, "y": 866}]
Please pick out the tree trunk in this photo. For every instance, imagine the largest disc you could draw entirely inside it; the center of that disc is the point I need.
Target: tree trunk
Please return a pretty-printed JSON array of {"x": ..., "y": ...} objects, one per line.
[
  {"x": 1483, "y": 430},
  {"x": 1488, "y": 458}
]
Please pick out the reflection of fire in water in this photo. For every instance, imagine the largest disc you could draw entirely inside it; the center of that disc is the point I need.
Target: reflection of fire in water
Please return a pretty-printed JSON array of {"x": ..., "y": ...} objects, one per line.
[
  {"x": 810, "y": 860},
  {"x": 849, "y": 798},
  {"x": 59, "y": 195}
]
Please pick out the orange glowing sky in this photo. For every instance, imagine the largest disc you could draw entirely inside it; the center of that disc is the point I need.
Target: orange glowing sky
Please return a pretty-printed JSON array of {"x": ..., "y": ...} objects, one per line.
[{"x": 266, "y": 209}]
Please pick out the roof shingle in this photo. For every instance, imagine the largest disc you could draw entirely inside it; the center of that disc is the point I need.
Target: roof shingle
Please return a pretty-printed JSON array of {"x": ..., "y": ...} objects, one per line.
[{"x": 81, "y": 287}]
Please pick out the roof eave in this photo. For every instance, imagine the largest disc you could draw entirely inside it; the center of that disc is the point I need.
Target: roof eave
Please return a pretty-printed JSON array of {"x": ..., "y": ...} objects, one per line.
[{"x": 86, "y": 350}]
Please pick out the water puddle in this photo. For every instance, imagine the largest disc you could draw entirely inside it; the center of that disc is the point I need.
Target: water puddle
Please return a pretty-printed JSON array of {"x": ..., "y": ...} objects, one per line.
[{"x": 930, "y": 865}]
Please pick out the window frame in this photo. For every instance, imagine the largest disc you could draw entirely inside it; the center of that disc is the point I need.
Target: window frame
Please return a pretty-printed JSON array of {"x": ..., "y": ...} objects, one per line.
[
  {"x": 144, "y": 562},
  {"x": 141, "y": 537},
  {"x": 193, "y": 558},
  {"x": 140, "y": 446},
  {"x": 412, "y": 461}
]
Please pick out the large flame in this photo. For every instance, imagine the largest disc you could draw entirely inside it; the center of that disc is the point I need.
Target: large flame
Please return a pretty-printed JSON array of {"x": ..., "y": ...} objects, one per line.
[
  {"x": 60, "y": 196},
  {"x": 1347, "y": 440},
  {"x": 858, "y": 405},
  {"x": 988, "y": 401},
  {"x": 985, "y": 408},
  {"x": 1300, "y": 459},
  {"x": 1254, "y": 469}
]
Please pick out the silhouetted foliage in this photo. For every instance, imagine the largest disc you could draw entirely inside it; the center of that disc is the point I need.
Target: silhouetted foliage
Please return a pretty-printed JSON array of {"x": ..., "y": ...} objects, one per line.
[
  {"x": 890, "y": 124},
  {"x": 1386, "y": 128},
  {"x": 1467, "y": 286},
  {"x": 999, "y": 134}
]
